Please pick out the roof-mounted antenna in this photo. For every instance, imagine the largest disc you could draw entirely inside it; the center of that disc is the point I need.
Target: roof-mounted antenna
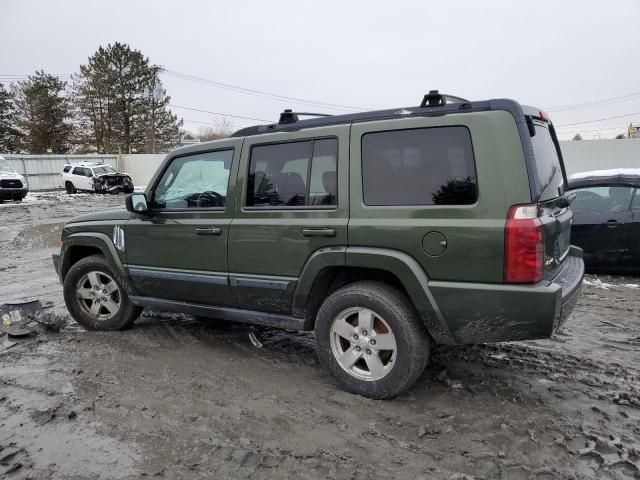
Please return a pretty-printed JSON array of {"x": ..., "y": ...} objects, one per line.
[
  {"x": 289, "y": 116},
  {"x": 436, "y": 99}
]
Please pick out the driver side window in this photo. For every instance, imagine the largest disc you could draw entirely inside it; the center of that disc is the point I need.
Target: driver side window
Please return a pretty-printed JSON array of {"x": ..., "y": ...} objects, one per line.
[{"x": 195, "y": 181}]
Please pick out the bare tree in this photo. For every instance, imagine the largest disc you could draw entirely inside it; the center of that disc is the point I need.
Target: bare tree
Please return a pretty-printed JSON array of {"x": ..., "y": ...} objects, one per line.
[{"x": 222, "y": 129}]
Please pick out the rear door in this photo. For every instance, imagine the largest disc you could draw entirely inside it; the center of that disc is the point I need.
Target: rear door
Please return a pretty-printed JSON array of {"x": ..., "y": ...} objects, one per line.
[
  {"x": 603, "y": 223},
  {"x": 80, "y": 178},
  {"x": 548, "y": 185},
  {"x": 292, "y": 201}
]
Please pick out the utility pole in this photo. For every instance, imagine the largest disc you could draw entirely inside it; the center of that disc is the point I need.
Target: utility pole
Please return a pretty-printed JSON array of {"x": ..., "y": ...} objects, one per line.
[{"x": 153, "y": 93}]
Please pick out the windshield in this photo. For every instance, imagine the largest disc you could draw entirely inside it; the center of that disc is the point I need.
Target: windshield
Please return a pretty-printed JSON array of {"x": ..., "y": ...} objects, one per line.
[
  {"x": 103, "y": 170},
  {"x": 548, "y": 168},
  {"x": 5, "y": 167}
]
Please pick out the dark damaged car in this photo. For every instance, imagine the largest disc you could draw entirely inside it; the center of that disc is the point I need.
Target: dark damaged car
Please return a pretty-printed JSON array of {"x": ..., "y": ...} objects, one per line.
[
  {"x": 95, "y": 177},
  {"x": 607, "y": 218}
]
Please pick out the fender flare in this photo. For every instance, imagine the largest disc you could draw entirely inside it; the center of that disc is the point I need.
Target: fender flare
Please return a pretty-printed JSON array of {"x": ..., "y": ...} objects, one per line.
[
  {"x": 103, "y": 243},
  {"x": 403, "y": 266}
]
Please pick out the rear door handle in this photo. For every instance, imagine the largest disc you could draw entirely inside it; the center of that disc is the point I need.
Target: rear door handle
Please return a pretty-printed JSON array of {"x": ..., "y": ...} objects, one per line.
[
  {"x": 208, "y": 230},
  {"x": 613, "y": 223},
  {"x": 319, "y": 232}
]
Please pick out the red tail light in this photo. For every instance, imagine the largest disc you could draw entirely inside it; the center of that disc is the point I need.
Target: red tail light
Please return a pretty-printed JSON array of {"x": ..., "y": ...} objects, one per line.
[
  {"x": 544, "y": 116},
  {"x": 524, "y": 245}
]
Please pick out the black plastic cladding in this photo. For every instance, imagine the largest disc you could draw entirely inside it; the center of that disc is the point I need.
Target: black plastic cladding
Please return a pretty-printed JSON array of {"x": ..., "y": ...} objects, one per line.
[{"x": 507, "y": 105}]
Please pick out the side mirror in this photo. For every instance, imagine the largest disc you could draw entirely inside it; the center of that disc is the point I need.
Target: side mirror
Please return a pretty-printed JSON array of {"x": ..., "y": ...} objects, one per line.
[{"x": 137, "y": 203}]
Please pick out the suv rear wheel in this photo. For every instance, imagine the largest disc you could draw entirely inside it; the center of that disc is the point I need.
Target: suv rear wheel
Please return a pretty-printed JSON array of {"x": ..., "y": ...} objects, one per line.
[
  {"x": 371, "y": 340},
  {"x": 68, "y": 186},
  {"x": 95, "y": 299}
]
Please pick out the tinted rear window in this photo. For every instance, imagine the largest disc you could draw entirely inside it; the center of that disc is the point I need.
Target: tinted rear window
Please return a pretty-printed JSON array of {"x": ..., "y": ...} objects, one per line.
[
  {"x": 424, "y": 166},
  {"x": 547, "y": 164},
  {"x": 293, "y": 174}
]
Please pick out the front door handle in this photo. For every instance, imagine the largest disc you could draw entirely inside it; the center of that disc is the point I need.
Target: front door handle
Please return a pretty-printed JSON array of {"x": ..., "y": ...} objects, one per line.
[
  {"x": 319, "y": 232},
  {"x": 208, "y": 230}
]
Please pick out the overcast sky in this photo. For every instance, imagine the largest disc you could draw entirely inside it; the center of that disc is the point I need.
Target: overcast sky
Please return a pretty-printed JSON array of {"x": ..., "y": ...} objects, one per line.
[{"x": 364, "y": 54}]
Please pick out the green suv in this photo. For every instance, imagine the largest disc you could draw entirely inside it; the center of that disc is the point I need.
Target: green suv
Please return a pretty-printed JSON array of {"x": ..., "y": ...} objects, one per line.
[{"x": 383, "y": 232}]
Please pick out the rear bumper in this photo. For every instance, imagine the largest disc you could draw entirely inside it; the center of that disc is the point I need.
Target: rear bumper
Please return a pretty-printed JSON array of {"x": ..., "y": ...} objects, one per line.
[
  {"x": 13, "y": 193},
  {"x": 570, "y": 280},
  {"x": 480, "y": 313}
]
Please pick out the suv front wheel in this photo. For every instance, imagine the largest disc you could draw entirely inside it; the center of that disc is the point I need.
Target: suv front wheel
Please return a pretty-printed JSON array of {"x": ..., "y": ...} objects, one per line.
[
  {"x": 371, "y": 340},
  {"x": 95, "y": 299}
]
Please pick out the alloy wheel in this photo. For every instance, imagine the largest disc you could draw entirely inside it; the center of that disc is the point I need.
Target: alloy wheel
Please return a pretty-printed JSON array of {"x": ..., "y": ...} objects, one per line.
[
  {"x": 363, "y": 344},
  {"x": 98, "y": 295}
]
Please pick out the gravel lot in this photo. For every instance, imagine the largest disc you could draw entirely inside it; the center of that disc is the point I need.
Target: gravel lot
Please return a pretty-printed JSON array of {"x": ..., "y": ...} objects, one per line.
[{"x": 175, "y": 397}]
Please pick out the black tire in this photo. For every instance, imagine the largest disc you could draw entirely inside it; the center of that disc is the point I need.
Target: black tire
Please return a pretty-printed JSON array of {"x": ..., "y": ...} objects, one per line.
[
  {"x": 411, "y": 338},
  {"x": 68, "y": 186},
  {"x": 105, "y": 318}
]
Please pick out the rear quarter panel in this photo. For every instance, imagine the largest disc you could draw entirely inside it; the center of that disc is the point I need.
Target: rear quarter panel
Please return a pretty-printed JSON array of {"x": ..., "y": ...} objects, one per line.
[{"x": 474, "y": 233}]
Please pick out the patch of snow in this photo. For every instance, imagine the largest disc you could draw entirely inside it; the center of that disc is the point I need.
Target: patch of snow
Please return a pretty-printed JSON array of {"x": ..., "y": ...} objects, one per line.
[
  {"x": 598, "y": 284},
  {"x": 47, "y": 197},
  {"x": 605, "y": 173},
  {"x": 139, "y": 188}
]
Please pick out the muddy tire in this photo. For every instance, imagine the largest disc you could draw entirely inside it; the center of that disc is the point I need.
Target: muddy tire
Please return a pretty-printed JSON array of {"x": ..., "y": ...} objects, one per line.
[
  {"x": 68, "y": 186},
  {"x": 95, "y": 299},
  {"x": 371, "y": 339}
]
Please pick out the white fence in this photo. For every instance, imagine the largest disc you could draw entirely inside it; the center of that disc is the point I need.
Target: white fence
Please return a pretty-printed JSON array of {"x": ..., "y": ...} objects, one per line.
[
  {"x": 43, "y": 171},
  {"x": 585, "y": 155},
  {"x": 141, "y": 167}
]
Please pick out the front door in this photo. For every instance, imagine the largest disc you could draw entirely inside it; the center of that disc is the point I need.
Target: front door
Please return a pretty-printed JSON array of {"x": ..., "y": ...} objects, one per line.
[
  {"x": 602, "y": 224},
  {"x": 292, "y": 200},
  {"x": 179, "y": 250}
]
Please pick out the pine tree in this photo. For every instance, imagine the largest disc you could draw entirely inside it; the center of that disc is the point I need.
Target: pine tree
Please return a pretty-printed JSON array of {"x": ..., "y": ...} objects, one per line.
[
  {"x": 9, "y": 133},
  {"x": 116, "y": 114},
  {"x": 44, "y": 114},
  {"x": 161, "y": 127}
]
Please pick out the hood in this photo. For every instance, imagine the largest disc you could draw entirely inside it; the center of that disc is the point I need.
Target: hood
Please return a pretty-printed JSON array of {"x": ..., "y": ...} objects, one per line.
[
  {"x": 11, "y": 176},
  {"x": 112, "y": 175},
  {"x": 107, "y": 215}
]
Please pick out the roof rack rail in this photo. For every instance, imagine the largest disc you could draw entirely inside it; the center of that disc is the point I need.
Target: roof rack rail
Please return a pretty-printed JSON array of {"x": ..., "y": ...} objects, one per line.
[
  {"x": 436, "y": 99},
  {"x": 289, "y": 116}
]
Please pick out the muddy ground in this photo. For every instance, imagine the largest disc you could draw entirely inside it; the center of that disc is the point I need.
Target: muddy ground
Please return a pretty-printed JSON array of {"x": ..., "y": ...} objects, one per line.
[{"x": 175, "y": 397}]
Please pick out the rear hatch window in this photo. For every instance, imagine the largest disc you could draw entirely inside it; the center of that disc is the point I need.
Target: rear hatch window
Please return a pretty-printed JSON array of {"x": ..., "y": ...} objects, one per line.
[
  {"x": 548, "y": 169},
  {"x": 554, "y": 213}
]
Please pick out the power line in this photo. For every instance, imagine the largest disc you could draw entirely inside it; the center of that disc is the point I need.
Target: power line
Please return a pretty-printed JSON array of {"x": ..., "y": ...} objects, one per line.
[
  {"x": 197, "y": 121},
  {"x": 595, "y": 103},
  {"x": 221, "y": 114},
  {"x": 569, "y": 130},
  {"x": 260, "y": 93},
  {"x": 599, "y": 120}
]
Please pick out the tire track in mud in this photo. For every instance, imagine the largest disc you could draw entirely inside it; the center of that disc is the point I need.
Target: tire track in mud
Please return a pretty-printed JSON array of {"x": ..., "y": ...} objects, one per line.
[{"x": 614, "y": 382}]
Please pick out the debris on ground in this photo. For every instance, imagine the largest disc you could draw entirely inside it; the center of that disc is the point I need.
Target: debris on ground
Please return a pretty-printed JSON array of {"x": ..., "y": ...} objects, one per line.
[
  {"x": 254, "y": 340},
  {"x": 18, "y": 318}
]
